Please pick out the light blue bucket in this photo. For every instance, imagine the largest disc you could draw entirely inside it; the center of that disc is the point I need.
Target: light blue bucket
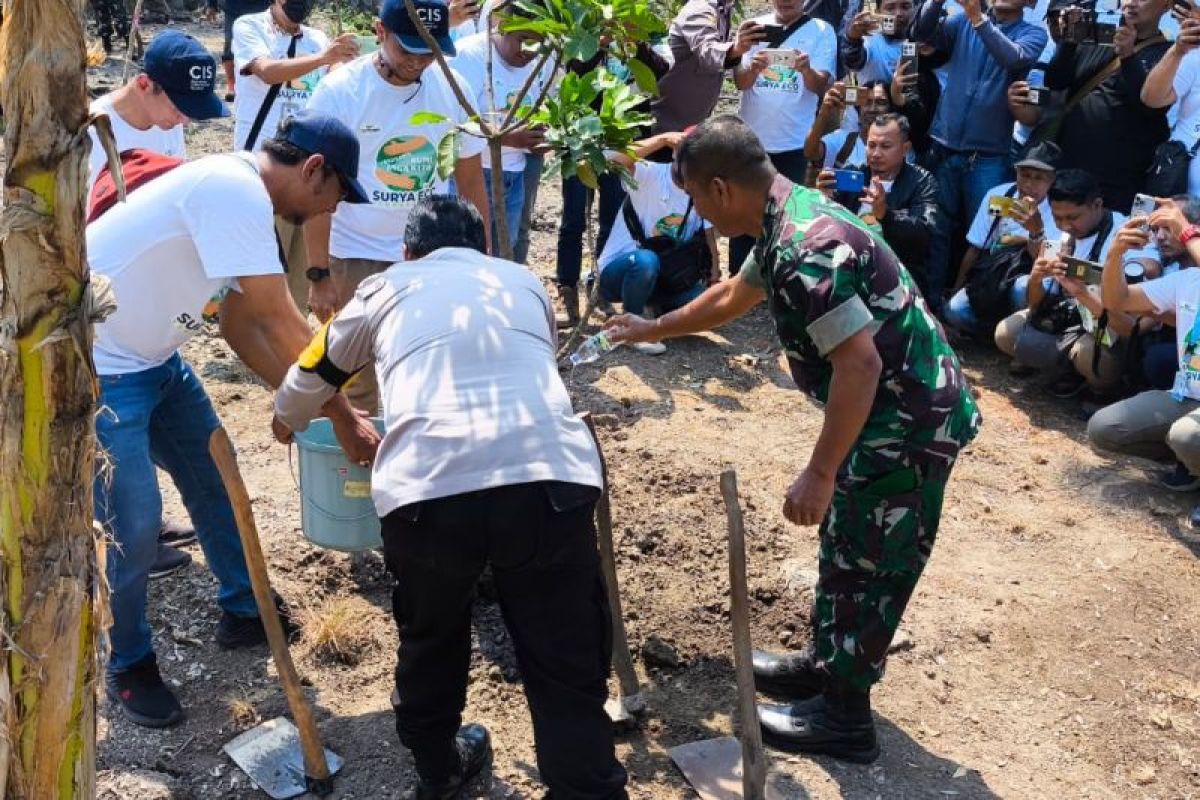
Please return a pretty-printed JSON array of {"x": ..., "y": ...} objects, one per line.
[{"x": 336, "y": 509}]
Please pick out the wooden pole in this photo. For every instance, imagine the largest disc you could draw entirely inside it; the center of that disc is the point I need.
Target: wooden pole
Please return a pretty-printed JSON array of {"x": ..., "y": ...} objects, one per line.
[
  {"x": 52, "y": 590},
  {"x": 754, "y": 762},
  {"x": 627, "y": 679},
  {"x": 315, "y": 768}
]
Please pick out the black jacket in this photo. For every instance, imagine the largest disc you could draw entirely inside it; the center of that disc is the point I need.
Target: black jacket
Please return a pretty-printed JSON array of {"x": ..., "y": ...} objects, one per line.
[{"x": 911, "y": 220}]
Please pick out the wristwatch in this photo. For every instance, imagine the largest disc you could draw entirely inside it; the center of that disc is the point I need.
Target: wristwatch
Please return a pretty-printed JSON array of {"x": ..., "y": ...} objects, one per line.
[
  {"x": 316, "y": 274},
  {"x": 1189, "y": 233}
]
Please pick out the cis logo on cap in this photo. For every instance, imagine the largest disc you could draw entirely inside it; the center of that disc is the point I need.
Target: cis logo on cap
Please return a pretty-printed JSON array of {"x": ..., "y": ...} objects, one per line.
[
  {"x": 202, "y": 76},
  {"x": 430, "y": 16}
]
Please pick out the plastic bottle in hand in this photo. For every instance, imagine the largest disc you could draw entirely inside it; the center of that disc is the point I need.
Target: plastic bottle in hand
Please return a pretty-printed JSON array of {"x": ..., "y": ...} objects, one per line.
[{"x": 592, "y": 348}]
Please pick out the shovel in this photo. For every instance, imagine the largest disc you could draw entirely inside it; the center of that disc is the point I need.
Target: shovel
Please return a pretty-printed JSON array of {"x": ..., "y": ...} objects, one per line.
[
  {"x": 621, "y": 709},
  {"x": 285, "y": 760},
  {"x": 726, "y": 768}
]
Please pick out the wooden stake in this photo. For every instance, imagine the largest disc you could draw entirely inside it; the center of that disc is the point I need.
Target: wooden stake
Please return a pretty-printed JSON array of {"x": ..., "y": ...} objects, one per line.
[
  {"x": 315, "y": 768},
  {"x": 754, "y": 763}
]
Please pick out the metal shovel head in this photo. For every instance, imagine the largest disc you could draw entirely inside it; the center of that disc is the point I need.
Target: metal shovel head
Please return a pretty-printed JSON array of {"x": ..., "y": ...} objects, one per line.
[
  {"x": 270, "y": 754},
  {"x": 714, "y": 768}
]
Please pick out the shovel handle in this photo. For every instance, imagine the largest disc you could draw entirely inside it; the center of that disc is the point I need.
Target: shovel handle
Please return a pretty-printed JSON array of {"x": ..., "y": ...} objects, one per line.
[
  {"x": 627, "y": 677},
  {"x": 754, "y": 771},
  {"x": 225, "y": 458}
]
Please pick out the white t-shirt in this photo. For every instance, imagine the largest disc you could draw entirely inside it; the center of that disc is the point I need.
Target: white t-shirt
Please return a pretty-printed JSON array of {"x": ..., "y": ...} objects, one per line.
[
  {"x": 1180, "y": 292},
  {"x": 882, "y": 55},
  {"x": 836, "y": 140},
  {"x": 169, "y": 142},
  {"x": 1187, "y": 111},
  {"x": 173, "y": 251},
  {"x": 464, "y": 348},
  {"x": 977, "y": 235},
  {"x": 257, "y": 36},
  {"x": 471, "y": 63},
  {"x": 398, "y": 161},
  {"x": 778, "y": 106},
  {"x": 659, "y": 205}
]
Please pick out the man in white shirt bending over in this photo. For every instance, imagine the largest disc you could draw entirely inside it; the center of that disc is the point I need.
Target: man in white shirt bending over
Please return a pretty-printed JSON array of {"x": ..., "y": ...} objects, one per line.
[
  {"x": 271, "y": 49},
  {"x": 175, "y": 86},
  {"x": 193, "y": 244},
  {"x": 483, "y": 461},
  {"x": 377, "y": 96}
]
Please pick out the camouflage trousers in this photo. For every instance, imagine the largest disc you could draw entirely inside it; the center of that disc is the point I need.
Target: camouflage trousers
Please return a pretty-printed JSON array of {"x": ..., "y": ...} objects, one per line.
[
  {"x": 875, "y": 542},
  {"x": 112, "y": 22}
]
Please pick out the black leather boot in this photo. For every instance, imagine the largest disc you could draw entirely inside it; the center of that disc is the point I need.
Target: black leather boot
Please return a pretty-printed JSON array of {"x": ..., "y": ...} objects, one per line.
[
  {"x": 791, "y": 676},
  {"x": 474, "y": 746},
  {"x": 837, "y": 723}
]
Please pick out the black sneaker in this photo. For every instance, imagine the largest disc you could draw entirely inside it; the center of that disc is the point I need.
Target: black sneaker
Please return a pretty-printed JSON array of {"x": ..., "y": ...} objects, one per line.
[
  {"x": 175, "y": 534},
  {"x": 1178, "y": 479},
  {"x": 168, "y": 560},
  {"x": 234, "y": 632},
  {"x": 1068, "y": 385},
  {"x": 142, "y": 695},
  {"x": 474, "y": 746}
]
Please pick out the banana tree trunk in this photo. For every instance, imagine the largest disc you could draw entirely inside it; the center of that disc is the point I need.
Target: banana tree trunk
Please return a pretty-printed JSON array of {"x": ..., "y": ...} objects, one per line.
[{"x": 51, "y": 585}]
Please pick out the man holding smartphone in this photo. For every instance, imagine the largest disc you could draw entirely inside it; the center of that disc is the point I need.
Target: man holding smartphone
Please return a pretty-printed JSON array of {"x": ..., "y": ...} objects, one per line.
[{"x": 871, "y": 51}]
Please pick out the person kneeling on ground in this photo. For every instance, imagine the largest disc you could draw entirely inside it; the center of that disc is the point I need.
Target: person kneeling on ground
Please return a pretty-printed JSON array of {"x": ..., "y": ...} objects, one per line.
[
  {"x": 861, "y": 343},
  {"x": 1160, "y": 424},
  {"x": 194, "y": 243},
  {"x": 900, "y": 198},
  {"x": 660, "y": 251},
  {"x": 1064, "y": 312},
  {"x": 1004, "y": 240},
  {"x": 462, "y": 482}
]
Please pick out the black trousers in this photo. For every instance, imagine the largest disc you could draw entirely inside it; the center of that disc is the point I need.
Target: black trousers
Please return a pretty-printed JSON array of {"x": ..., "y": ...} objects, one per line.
[
  {"x": 541, "y": 543},
  {"x": 792, "y": 165}
]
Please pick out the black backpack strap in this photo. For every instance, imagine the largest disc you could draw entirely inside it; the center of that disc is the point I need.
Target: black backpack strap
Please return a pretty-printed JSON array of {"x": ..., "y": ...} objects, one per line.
[
  {"x": 843, "y": 153},
  {"x": 1106, "y": 226},
  {"x": 633, "y": 223},
  {"x": 268, "y": 101},
  {"x": 987, "y": 240},
  {"x": 787, "y": 32}
]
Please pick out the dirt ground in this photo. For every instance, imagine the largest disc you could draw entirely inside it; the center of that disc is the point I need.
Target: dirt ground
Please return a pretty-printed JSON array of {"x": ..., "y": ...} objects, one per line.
[{"x": 1051, "y": 650}]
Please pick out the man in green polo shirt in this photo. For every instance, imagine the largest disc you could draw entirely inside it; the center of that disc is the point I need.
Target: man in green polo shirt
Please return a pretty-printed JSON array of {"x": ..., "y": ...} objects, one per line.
[{"x": 860, "y": 340}]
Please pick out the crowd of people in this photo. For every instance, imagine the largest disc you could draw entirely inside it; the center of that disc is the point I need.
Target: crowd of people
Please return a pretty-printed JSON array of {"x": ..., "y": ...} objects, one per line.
[{"x": 898, "y": 178}]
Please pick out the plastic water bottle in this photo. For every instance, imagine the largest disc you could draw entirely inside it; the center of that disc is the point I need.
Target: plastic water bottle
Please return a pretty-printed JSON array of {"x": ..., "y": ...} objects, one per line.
[{"x": 592, "y": 348}]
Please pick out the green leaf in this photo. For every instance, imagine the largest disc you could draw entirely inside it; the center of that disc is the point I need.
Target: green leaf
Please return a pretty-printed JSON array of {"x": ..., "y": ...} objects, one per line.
[
  {"x": 643, "y": 75},
  {"x": 427, "y": 118},
  {"x": 447, "y": 155}
]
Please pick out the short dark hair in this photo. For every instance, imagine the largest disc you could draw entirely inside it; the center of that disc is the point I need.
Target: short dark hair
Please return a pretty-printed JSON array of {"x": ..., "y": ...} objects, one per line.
[
  {"x": 284, "y": 152},
  {"x": 443, "y": 220},
  {"x": 883, "y": 120},
  {"x": 1189, "y": 205},
  {"x": 723, "y": 146},
  {"x": 1076, "y": 186}
]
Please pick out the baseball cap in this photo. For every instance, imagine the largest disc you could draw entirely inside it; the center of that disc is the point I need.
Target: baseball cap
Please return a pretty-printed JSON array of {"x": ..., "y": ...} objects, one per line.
[
  {"x": 187, "y": 72},
  {"x": 1043, "y": 155},
  {"x": 434, "y": 13},
  {"x": 318, "y": 133}
]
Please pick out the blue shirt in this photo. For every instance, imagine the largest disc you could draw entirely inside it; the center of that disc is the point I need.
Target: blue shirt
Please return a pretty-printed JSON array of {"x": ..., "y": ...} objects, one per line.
[{"x": 973, "y": 112}]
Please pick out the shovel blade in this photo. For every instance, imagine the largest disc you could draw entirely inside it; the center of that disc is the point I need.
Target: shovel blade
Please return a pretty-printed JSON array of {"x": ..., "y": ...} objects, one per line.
[
  {"x": 270, "y": 755},
  {"x": 714, "y": 768}
]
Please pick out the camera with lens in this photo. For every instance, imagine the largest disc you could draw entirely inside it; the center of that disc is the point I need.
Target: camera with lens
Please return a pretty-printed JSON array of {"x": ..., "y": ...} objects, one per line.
[{"x": 1088, "y": 26}]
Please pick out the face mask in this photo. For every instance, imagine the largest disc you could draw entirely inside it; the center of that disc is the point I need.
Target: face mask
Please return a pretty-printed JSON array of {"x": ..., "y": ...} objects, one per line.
[{"x": 297, "y": 10}]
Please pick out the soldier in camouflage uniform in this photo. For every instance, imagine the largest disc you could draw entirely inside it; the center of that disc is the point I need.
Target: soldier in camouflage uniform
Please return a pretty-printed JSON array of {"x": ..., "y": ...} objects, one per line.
[
  {"x": 112, "y": 22},
  {"x": 860, "y": 340}
]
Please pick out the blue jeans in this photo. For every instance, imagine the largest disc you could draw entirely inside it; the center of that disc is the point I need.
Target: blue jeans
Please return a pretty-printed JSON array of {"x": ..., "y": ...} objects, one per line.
[
  {"x": 631, "y": 280},
  {"x": 574, "y": 223},
  {"x": 963, "y": 181},
  {"x": 160, "y": 416},
  {"x": 958, "y": 311},
  {"x": 532, "y": 179},
  {"x": 514, "y": 201}
]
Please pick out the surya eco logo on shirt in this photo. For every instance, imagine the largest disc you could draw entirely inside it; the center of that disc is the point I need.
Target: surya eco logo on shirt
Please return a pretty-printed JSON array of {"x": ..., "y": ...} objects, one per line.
[
  {"x": 406, "y": 165},
  {"x": 778, "y": 77},
  {"x": 670, "y": 225}
]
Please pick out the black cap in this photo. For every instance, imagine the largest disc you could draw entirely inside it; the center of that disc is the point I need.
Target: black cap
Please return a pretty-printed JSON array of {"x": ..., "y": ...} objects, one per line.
[
  {"x": 317, "y": 133},
  {"x": 1043, "y": 155},
  {"x": 187, "y": 72},
  {"x": 434, "y": 13}
]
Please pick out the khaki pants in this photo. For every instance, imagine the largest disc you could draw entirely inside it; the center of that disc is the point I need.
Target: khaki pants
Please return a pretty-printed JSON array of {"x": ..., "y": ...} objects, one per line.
[
  {"x": 1150, "y": 425},
  {"x": 347, "y": 273},
  {"x": 295, "y": 255},
  {"x": 1014, "y": 336}
]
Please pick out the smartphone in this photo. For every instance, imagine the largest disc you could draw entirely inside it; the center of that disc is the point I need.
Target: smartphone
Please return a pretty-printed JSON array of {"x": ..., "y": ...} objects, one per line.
[
  {"x": 1107, "y": 23},
  {"x": 1037, "y": 96},
  {"x": 1080, "y": 269},
  {"x": 779, "y": 56},
  {"x": 1052, "y": 250},
  {"x": 850, "y": 180},
  {"x": 774, "y": 34},
  {"x": 851, "y": 95},
  {"x": 887, "y": 25},
  {"x": 1143, "y": 206},
  {"x": 1001, "y": 206}
]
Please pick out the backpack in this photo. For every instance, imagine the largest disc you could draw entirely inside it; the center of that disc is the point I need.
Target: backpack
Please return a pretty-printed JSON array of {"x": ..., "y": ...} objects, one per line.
[{"x": 139, "y": 166}]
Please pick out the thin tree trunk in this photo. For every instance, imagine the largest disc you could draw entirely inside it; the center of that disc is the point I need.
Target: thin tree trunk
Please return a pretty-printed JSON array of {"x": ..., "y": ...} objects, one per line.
[{"x": 51, "y": 590}]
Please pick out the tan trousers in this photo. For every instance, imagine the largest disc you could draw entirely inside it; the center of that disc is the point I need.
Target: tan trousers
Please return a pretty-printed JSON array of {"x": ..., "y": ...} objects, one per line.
[
  {"x": 1105, "y": 376},
  {"x": 295, "y": 254},
  {"x": 347, "y": 274}
]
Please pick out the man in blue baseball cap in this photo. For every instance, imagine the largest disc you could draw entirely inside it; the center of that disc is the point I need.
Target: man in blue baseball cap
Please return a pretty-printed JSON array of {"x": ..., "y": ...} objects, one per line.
[
  {"x": 186, "y": 72},
  {"x": 434, "y": 13},
  {"x": 191, "y": 247}
]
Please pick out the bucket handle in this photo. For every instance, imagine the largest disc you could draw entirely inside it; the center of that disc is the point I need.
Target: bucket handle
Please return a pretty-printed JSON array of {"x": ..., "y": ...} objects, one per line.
[{"x": 315, "y": 504}]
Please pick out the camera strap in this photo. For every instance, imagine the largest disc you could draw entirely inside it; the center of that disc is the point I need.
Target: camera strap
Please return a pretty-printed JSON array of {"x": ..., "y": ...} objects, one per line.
[{"x": 1107, "y": 72}]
